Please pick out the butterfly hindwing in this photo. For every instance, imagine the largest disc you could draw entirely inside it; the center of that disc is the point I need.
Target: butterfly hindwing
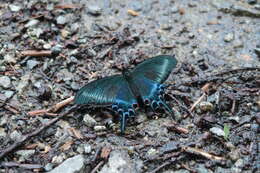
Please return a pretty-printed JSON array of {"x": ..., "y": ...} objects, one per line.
[{"x": 149, "y": 76}]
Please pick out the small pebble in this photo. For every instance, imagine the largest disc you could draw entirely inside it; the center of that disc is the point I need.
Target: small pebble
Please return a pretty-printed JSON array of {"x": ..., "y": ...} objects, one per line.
[
  {"x": 100, "y": 128},
  {"x": 94, "y": 10},
  {"x": 3, "y": 120},
  {"x": 61, "y": 20},
  {"x": 238, "y": 43},
  {"x": 152, "y": 152},
  {"x": 206, "y": 106},
  {"x": 25, "y": 154},
  {"x": 192, "y": 4},
  {"x": 89, "y": 121},
  {"x": 48, "y": 167},
  {"x": 235, "y": 118},
  {"x": 255, "y": 128},
  {"x": 136, "y": 5},
  {"x": 87, "y": 148},
  {"x": 14, "y": 8},
  {"x": 174, "y": 9},
  {"x": 5, "y": 82},
  {"x": 2, "y": 132},
  {"x": 10, "y": 59},
  {"x": 252, "y": 2},
  {"x": 31, "y": 23},
  {"x": 166, "y": 26},
  {"x": 58, "y": 159},
  {"x": 44, "y": 92},
  {"x": 47, "y": 46},
  {"x": 257, "y": 51},
  {"x": 57, "y": 49},
  {"x": 16, "y": 136},
  {"x": 229, "y": 37},
  {"x": 217, "y": 131},
  {"x": 191, "y": 35},
  {"x": 8, "y": 93},
  {"x": 234, "y": 155},
  {"x": 31, "y": 64},
  {"x": 239, "y": 163}
]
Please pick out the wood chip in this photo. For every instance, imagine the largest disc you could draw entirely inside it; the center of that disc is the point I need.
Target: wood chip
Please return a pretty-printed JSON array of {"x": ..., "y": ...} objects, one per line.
[
  {"x": 67, "y": 145},
  {"x": 132, "y": 13},
  {"x": 105, "y": 152},
  {"x": 76, "y": 133}
]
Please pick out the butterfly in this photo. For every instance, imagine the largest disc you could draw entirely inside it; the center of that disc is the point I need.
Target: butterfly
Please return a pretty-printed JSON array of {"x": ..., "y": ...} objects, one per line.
[{"x": 124, "y": 93}]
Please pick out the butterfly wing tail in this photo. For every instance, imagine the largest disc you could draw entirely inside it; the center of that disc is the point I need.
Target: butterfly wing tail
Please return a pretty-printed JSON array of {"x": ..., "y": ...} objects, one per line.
[{"x": 122, "y": 123}]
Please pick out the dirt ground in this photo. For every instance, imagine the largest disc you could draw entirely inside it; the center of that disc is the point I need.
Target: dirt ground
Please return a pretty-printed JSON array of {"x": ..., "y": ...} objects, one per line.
[{"x": 49, "y": 49}]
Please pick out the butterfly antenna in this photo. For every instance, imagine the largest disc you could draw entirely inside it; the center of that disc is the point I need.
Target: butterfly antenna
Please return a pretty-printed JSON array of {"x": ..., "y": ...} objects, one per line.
[{"x": 122, "y": 123}]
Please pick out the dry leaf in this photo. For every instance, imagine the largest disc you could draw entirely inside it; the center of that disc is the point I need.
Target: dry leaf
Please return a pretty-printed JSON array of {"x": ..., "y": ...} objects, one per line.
[
  {"x": 31, "y": 146},
  {"x": 67, "y": 145},
  {"x": 47, "y": 148},
  {"x": 76, "y": 133}
]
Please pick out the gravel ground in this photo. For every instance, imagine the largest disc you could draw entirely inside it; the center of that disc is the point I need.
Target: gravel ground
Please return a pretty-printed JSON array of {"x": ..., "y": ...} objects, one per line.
[{"x": 49, "y": 49}]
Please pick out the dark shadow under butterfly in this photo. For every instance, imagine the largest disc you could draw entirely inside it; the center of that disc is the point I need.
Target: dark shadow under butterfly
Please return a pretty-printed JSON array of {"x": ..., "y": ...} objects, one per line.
[{"x": 139, "y": 87}]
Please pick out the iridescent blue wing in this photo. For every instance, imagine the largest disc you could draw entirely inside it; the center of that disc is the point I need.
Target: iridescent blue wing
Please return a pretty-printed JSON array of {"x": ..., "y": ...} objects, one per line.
[
  {"x": 149, "y": 76},
  {"x": 109, "y": 91}
]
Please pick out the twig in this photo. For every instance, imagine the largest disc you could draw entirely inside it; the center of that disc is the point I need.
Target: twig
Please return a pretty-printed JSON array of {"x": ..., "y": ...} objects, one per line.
[
  {"x": 25, "y": 166},
  {"x": 35, "y": 133},
  {"x": 202, "y": 153},
  {"x": 98, "y": 166},
  {"x": 197, "y": 102},
  {"x": 160, "y": 167},
  {"x": 67, "y": 6},
  {"x": 7, "y": 100},
  {"x": 11, "y": 109},
  {"x": 188, "y": 168},
  {"x": 61, "y": 104},
  {"x": 37, "y": 112},
  {"x": 104, "y": 53},
  {"x": 36, "y": 53},
  {"x": 54, "y": 108}
]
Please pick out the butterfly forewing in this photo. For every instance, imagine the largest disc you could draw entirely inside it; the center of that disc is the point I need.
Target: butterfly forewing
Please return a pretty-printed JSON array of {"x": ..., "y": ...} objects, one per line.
[
  {"x": 105, "y": 91},
  {"x": 156, "y": 69}
]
